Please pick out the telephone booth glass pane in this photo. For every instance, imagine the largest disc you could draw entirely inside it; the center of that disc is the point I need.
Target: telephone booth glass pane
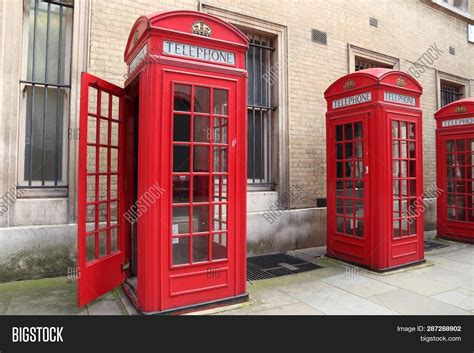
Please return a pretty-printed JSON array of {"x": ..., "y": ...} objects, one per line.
[
  {"x": 405, "y": 207},
  {"x": 459, "y": 179},
  {"x": 200, "y": 159},
  {"x": 102, "y": 198},
  {"x": 350, "y": 179}
]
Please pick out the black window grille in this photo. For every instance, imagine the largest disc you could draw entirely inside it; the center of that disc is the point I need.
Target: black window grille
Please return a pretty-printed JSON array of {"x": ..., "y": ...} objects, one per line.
[
  {"x": 262, "y": 79},
  {"x": 462, "y": 5},
  {"x": 450, "y": 92},
  {"x": 46, "y": 88},
  {"x": 363, "y": 63}
]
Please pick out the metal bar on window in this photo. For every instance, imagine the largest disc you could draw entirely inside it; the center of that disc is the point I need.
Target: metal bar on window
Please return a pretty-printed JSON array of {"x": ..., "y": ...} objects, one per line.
[
  {"x": 258, "y": 107},
  {"x": 262, "y": 156},
  {"x": 269, "y": 72},
  {"x": 45, "y": 84},
  {"x": 59, "y": 3},
  {"x": 45, "y": 101},
  {"x": 254, "y": 78},
  {"x": 253, "y": 44},
  {"x": 253, "y": 145},
  {"x": 269, "y": 145},
  {"x": 30, "y": 140},
  {"x": 262, "y": 82},
  {"x": 58, "y": 80}
]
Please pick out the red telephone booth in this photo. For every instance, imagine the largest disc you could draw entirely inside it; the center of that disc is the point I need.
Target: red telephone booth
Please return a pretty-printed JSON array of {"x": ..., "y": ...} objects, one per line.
[
  {"x": 455, "y": 170},
  {"x": 162, "y": 168},
  {"x": 374, "y": 169}
]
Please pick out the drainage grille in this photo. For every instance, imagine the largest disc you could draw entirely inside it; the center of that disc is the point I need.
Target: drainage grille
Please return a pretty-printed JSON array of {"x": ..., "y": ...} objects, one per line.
[
  {"x": 433, "y": 245},
  {"x": 276, "y": 265}
]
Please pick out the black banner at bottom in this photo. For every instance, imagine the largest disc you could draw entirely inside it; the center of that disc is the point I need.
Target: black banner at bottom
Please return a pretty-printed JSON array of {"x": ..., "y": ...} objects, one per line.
[{"x": 221, "y": 333}]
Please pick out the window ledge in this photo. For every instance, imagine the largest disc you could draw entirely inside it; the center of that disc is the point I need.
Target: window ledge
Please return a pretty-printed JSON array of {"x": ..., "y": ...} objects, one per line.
[
  {"x": 464, "y": 14},
  {"x": 29, "y": 193},
  {"x": 257, "y": 188}
]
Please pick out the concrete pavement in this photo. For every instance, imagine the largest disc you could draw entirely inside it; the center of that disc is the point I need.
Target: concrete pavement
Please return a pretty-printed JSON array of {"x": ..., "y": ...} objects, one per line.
[{"x": 442, "y": 286}]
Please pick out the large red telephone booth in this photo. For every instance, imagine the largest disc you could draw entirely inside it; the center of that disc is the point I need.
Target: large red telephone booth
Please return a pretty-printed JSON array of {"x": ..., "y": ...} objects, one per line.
[
  {"x": 162, "y": 168},
  {"x": 455, "y": 170},
  {"x": 374, "y": 169}
]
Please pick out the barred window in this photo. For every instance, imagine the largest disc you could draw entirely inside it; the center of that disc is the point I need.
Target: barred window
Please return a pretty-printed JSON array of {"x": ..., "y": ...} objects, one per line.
[
  {"x": 45, "y": 91},
  {"x": 450, "y": 92},
  {"x": 262, "y": 79},
  {"x": 363, "y": 63},
  {"x": 462, "y": 5}
]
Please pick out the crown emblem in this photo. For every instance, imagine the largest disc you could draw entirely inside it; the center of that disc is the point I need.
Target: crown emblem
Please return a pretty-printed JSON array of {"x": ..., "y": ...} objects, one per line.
[
  {"x": 350, "y": 84},
  {"x": 401, "y": 82},
  {"x": 460, "y": 109},
  {"x": 201, "y": 29}
]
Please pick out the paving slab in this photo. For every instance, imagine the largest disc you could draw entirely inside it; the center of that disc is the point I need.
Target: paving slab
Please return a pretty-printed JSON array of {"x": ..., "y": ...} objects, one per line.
[
  {"x": 333, "y": 301},
  {"x": 268, "y": 298},
  {"x": 106, "y": 305},
  {"x": 343, "y": 303},
  {"x": 407, "y": 302},
  {"x": 312, "y": 293},
  {"x": 290, "y": 309},
  {"x": 465, "y": 255},
  {"x": 461, "y": 298},
  {"x": 4, "y": 303},
  {"x": 46, "y": 305},
  {"x": 418, "y": 284},
  {"x": 360, "y": 285},
  {"x": 451, "y": 264},
  {"x": 235, "y": 312},
  {"x": 453, "y": 278},
  {"x": 51, "y": 296}
]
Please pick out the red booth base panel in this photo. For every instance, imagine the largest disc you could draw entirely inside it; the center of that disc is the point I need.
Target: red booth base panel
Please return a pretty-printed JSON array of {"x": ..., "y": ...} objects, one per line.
[{"x": 132, "y": 296}]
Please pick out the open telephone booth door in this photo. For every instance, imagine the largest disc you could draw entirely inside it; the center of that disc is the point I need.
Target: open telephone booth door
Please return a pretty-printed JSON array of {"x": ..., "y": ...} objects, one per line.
[{"x": 101, "y": 254}]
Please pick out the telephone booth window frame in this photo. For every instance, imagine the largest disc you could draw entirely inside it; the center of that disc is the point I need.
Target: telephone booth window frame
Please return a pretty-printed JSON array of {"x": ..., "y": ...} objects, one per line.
[
  {"x": 455, "y": 169},
  {"x": 215, "y": 135}
]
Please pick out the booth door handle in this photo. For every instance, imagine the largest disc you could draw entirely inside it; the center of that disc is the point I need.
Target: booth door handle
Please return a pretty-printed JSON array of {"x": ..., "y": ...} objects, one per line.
[
  {"x": 234, "y": 142},
  {"x": 366, "y": 169}
]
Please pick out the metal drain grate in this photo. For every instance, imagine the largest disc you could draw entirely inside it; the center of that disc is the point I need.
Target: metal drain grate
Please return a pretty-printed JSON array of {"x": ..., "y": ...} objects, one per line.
[
  {"x": 433, "y": 245},
  {"x": 276, "y": 265}
]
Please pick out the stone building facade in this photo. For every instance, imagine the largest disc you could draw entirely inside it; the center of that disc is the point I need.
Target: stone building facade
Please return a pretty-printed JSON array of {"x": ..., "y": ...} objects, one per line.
[{"x": 303, "y": 45}]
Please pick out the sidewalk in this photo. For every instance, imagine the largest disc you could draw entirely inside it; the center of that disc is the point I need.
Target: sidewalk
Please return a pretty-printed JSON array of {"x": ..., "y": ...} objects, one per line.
[
  {"x": 442, "y": 286},
  {"x": 53, "y": 296}
]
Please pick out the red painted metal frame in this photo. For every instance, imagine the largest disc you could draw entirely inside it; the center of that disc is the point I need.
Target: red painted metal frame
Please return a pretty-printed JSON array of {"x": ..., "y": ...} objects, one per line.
[
  {"x": 104, "y": 272},
  {"x": 199, "y": 282},
  {"x": 455, "y": 229},
  {"x": 381, "y": 247},
  {"x": 162, "y": 286},
  {"x": 349, "y": 243}
]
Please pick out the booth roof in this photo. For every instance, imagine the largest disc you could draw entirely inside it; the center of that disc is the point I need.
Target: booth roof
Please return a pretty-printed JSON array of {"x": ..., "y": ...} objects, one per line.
[
  {"x": 376, "y": 75},
  {"x": 464, "y": 102},
  {"x": 156, "y": 20}
]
